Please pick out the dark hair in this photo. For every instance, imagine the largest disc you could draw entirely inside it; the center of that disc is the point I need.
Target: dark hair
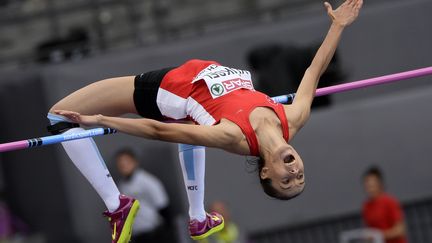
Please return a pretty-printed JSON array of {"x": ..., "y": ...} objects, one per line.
[
  {"x": 374, "y": 171},
  {"x": 266, "y": 184},
  {"x": 125, "y": 151}
]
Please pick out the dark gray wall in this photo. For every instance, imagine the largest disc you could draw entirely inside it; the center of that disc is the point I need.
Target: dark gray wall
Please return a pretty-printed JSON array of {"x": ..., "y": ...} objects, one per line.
[
  {"x": 33, "y": 185},
  {"x": 385, "y": 125}
]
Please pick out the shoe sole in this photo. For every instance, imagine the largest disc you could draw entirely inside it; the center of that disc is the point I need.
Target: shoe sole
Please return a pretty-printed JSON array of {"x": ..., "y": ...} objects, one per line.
[
  {"x": 210, "y": 232},
  {"x": 126, "y": 233}
]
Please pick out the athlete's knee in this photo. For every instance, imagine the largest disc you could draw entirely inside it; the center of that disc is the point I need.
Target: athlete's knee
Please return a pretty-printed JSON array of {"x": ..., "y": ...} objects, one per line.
[
  {"x": 59, "y": 124},
  {"x": 55, "y": 107}
]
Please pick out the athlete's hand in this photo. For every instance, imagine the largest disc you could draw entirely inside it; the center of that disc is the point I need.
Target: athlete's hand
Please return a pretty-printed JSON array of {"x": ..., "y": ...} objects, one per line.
[
  {"x": 346, "y": 13},
  {"x": 78, "y": 118}
]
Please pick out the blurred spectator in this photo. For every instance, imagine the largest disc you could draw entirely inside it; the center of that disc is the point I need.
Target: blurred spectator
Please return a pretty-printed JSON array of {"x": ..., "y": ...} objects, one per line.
[
  {"x": 381, "y": 211},
  {"x": 153, "y": 215},
  {"x": 230, "y": 233},
  {"x": 5, "y": 222},
  {"x": 12, "y": 229}
]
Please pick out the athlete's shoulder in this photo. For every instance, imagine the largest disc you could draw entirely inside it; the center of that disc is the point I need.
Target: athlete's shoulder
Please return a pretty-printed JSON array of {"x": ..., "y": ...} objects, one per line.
[{"x": 237, "y": 142}]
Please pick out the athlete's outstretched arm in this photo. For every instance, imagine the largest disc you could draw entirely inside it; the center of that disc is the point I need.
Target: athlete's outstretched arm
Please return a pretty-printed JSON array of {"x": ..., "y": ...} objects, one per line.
[
  {"x": 210, "y": 136},
  {"x": 343, "y": 16}
]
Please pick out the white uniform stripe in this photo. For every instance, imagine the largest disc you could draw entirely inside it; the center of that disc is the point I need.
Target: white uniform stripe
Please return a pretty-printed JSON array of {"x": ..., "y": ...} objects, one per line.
[
  {"x": 171, "y": 105},
  {"x": 197, "y": 112},
  {"x": 176, "y": 107}
]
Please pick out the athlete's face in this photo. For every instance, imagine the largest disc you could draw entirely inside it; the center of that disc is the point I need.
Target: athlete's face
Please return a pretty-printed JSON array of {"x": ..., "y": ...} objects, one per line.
[{"x": 286, "y": 171}]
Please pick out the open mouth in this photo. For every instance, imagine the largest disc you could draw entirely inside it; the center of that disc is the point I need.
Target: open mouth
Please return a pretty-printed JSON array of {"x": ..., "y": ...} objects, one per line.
[{"x": 289, "y": 159}]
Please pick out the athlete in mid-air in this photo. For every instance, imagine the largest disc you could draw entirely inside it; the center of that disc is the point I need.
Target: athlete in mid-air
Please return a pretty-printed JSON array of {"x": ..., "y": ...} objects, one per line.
[{"x": 226, "y": 113}]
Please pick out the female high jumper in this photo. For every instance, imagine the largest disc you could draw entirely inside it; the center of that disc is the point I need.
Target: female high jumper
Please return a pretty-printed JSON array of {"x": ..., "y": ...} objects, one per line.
[{"x": 226, "y": 112}]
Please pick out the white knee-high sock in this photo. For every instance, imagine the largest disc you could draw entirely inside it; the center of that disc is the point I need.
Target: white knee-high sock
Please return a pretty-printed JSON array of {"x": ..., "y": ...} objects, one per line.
[
  {"x": 192, "y": 160},
  {"x": 87, "y": 158}
]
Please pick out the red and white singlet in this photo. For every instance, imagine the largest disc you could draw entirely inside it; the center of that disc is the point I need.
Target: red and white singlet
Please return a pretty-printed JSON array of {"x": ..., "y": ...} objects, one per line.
[{"x": 206, "y": 92}]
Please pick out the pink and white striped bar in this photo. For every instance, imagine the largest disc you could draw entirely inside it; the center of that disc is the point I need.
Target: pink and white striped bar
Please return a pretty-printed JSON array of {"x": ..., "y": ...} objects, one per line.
[
  {"x": 287, "y": 99},
  {"x": 374, "y": 81}
]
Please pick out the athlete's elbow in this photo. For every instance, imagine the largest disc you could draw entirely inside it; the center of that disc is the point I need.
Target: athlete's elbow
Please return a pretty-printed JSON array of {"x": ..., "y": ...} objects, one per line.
[
  {"x": 162, "y": 132},
  {"x": 157, "y": 132},
  {"x": 151, "y": 130}
]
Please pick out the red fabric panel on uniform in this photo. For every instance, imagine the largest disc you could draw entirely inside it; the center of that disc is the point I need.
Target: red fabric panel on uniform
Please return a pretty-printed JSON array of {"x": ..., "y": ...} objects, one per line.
[
  {"x": 180, "y": 78},
  {"x": 235, "y": 106}
]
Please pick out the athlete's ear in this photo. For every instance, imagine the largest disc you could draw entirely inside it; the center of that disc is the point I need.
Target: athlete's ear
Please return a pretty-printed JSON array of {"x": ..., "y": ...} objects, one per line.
[{"x": 264, "y": 173}]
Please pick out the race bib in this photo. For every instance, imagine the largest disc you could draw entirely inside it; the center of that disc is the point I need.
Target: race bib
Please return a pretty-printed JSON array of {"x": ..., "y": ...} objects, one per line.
[{"x": 222, "y": 80}]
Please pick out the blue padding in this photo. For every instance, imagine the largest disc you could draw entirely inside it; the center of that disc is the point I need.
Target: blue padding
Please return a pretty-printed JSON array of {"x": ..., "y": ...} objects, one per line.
[
  {"x": 188, "y": 158},
  {"x": 183, "y": 147},
  {"x": 189, "y": 164}
]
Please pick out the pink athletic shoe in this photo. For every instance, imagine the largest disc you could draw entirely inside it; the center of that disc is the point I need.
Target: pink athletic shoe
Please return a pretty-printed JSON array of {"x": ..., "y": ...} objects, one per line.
[
  {"x": 122, "y": 219},
  {"x": 213, "y": 223}
]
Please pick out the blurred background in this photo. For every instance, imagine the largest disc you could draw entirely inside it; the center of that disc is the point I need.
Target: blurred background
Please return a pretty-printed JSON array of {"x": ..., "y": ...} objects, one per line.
[{"x": 49, "y": 48}]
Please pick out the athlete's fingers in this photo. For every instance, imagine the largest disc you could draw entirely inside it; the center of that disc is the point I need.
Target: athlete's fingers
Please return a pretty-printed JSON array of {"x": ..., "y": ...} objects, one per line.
[
  {"x": 58, "y": 112},
  {"x": 75, "y": 116},
  {"x": 350, "y": 2},
  {"x": 359, "y": 4},
  {"x": 328, "y": 6},
  {"x": 64, "y": 112}
]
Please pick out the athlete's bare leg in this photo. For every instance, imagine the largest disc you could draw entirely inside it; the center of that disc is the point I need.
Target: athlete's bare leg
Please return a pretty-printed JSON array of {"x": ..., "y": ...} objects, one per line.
[{"x": 111, "y": 97}]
